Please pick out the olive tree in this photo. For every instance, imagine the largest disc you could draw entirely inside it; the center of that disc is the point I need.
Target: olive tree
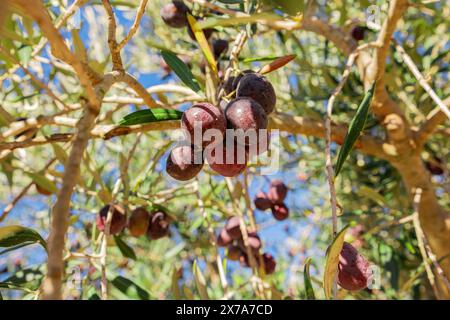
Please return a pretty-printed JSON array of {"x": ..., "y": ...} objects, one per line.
[{"x": 361, "y": 90}]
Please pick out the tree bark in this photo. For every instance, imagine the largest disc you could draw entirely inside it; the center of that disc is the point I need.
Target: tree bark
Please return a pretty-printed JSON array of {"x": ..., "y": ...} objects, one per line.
[
  {"x": 434, "y": 221},
  {"x": 60, "y": 211}
]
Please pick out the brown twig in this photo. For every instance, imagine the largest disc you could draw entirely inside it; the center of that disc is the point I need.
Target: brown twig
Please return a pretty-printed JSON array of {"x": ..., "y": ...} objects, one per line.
[
  {"x": 62, "y": 19},
  {"x": 420, "y": 237},
  {"x": 135, "y": 26},
  {"x": 87, "y": 76},
  {"x": 415, "y": 71},
  {"x": 112, "y": 42}
]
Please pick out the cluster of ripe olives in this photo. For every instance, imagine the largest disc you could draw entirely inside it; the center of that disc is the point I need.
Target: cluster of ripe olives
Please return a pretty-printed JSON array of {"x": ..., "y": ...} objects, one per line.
[
  {"x": 252, "y": 99},
  {"x": 154, "y": 224},
  {"x": 231, "y": 237},
  {"x": 203, "y": 122},
  {"x": 274, "y": 200}
]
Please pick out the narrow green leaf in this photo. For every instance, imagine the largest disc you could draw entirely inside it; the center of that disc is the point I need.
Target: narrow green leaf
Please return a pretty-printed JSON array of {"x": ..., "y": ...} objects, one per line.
[
  {"x": 180, "y": 69},
  {"x": 24, "y": 54},
  {"x": 290, "y": 7},
  {"x": 266, "y": 58},
  {"x": 23, "y": 244},
  {"x": 60, "y": 153},
  {"x": 42, "y": 181},
  {"x": 175, "y": 287},
  {"x": 203, "y": 43},
  {"x": 12, "y": 236},
  {"x": 188, "y": 293},
  {"x": 231, "y": 1},
  {"x": 124, "y": 284},
  {"x": 262, "y": 17},
  {"x": 150, "y": 115},
  {"x": 332, "y": 261},
  {"x": 78, "y": 45},
  {"x": 200, "y": 282},
  {"x": 12, "y": 286},
  {"x": 354, "y": 129},
  {"x": 124, "y": 248},
  {"x": 307, "y": 279}
]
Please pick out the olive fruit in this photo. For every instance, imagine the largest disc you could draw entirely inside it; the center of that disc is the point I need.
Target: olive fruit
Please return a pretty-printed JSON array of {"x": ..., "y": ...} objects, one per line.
[
  {"x": 358, "y": 33},
  {"x": 227, "y": 159},
  {"x": 243, "y": 259},
  {"x": 247, "y": 116},
  {"x": 139, "y": 221},
  {"x": 269, "y": 263},
  {"x": 118, "y": 221},
  {"x": 280, "y": 211},
  {"x": 233, "y": 252},
  {"x": 223, "y": 238},
  {"x": 233, "y": 227},
  {"x": 174, "y": 14},
  {"x": 254, "y": 242},
  {"x": 207, "y": 32},
  {"x": 159, "y": 225},
  {"x": 353, "y": 269},
  {"x": 239, "y": 77},
  {"x": 201, "y": 117},
  {"x": 277, "y": 191},
  {"x": 42, "y": 190},
  {"x": 219, "y": 46},
  {"x": 257, "y": 87},
  {"x": 262, "y": 202},
  {"x": 435, "y": 167},
  {"x": 184, "y": 162}
]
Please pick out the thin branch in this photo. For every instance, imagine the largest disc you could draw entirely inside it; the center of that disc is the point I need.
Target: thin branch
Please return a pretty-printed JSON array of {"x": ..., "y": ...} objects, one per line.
[
  {"x": 382, "y": 104},
  {"x": 140, "y": 90},
  {"x": 40, "y": 83},
  {"x": 415, "y": 71},
  {"x": 135, "y": 26},
  {"x": 22, "y": 193},
  {"x": 62, "y": 19},
  {"x": 38, "y": 12},
  {"x": 279, "y": 121},
  {"x": 60, "y": 212},
  {"x": 432, "y": 122},
  {"x": 112, "y": 42},
  {"x": 234, "y": 54},
  {"x": 420, "y": 237}
]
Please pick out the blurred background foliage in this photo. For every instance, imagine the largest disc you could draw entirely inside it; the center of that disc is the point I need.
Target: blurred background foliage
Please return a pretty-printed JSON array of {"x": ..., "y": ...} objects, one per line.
[{"x": 369, "y": 190}]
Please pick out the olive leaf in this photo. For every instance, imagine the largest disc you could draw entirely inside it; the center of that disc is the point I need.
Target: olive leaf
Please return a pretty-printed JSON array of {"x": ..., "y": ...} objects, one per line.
[
  {"x": 124, "y": 248},
  {"x": 354, "y": 129},
  {"x": 181, "y": 70},
  {"x": 277, "y": 63},
  {"x": 150, "y": 115},
  {"x": 175, "y": 286},
  {"x": 307, "y": 280},
  {"x": 203, "y": 43},
  {"x": 15, "y": 236},
  {"x": 125, "y": 285},
  {"x": 188, "y": 293},
  {"x": 200, "y": 282},
  {"x": 42, "y": 181},
  {"x": 24, "y": 54},
  {"x": 332, "y": 261},
  {"x": 266, "y": 58}
]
